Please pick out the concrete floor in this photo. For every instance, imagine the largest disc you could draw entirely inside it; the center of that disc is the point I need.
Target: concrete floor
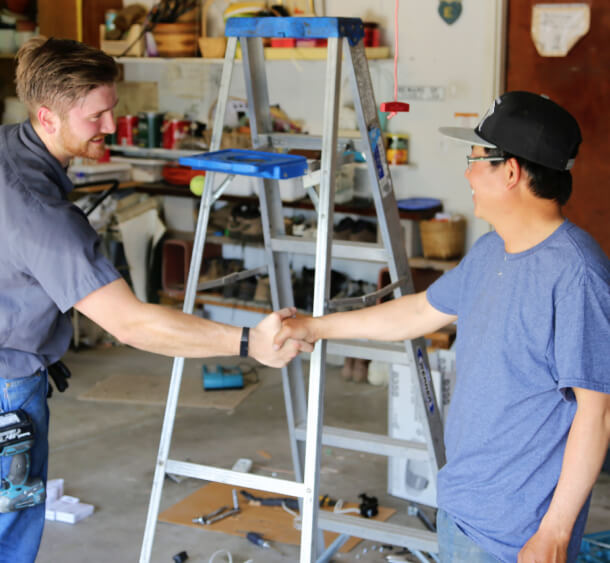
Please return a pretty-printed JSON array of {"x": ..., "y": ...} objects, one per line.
[{"x": 106, "y": 453}]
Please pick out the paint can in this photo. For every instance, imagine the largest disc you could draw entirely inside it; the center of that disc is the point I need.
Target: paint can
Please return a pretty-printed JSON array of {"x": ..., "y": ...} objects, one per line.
[
  {"x": 149, "y": 128},
  {"x": 126, "y": 129},
  {"x": 398, "y": 149},
  {"x": 174, "y": 130}
]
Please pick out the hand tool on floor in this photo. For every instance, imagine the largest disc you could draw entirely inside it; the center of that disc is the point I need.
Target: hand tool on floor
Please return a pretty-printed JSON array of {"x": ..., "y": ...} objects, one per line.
[
  {"x": 257, "y": 539},
  {"x": 290, "y": 502},
  {"x": 17, "y": 490},
  {"x": 219, "y": 514}
]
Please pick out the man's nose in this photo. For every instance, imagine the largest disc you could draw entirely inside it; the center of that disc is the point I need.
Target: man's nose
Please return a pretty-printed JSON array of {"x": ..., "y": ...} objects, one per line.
[{"x": 109, "y": 123}]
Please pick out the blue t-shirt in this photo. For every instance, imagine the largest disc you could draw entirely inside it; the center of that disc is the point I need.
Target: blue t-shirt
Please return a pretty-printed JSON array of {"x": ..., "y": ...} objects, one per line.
[
  {"x": 531, "y": 326},
  {"x": 50, "y": 258}
]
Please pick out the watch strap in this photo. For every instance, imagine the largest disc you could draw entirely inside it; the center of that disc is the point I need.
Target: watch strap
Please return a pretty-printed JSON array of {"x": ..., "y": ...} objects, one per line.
[{"x": 243, "y": 342}]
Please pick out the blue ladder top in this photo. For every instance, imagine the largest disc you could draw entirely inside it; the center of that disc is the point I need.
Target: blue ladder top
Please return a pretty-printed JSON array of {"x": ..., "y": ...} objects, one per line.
[
  {"x": 311, "y": 28},
  {"x": 249, "y": 163}
]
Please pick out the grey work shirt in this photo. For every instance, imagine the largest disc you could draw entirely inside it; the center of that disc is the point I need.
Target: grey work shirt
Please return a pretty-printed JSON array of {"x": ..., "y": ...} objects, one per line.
[{"x": 50, "y": 258}]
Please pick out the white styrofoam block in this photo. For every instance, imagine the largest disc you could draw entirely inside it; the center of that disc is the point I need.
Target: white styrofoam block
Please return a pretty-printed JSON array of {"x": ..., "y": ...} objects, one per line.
[
  {"x": 69, "y": 510},
  {"x": 55, "y": 490}
]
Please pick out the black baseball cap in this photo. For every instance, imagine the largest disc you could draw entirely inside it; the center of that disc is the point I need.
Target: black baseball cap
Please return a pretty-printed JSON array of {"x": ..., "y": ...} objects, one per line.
[{"x": 527, "y": 125}]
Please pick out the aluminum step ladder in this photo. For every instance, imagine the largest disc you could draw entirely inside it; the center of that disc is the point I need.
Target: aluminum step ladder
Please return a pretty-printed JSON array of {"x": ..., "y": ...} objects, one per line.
[{"x": 305, "y": 416}]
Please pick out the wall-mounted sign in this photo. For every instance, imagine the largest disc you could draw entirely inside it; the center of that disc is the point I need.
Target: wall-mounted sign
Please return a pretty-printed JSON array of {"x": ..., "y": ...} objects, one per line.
[
  {"x": 557, "y": 27},
  {"x": 450, "y": 10}
]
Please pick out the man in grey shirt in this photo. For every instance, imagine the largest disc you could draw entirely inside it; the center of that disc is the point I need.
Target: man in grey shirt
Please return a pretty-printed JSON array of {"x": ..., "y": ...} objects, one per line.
[{"x": 51, "y": 259}]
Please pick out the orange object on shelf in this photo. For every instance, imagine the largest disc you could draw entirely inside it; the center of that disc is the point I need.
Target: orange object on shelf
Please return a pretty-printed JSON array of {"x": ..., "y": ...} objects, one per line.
[{"x": 180, "y": 175}]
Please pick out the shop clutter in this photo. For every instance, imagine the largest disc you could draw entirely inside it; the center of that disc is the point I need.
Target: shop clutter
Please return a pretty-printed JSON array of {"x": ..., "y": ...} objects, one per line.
[{"x": 17, "y": 24}]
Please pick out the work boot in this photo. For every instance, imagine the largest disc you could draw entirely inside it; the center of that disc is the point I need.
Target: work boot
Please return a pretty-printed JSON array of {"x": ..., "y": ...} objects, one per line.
[
  {"x": 360, "y": 370},
  {"x": 245, "y": 223},
  {"x": 347, "y": 369},
  {"x": 343, "y": 230},
  {"x": 363, "y": 231},
  {"x": 219, "y": 220},
  {"x": 215, "y": 269},
  {"x": 231, "y": 290},
  {"x": 262, "y": 294}
]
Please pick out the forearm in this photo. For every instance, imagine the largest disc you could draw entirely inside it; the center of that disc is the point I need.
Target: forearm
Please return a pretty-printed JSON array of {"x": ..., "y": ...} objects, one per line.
[
  {"x": 170, "y": 332},
  {"x": 585, "y": 451},
  {"x": 405, "y": 318}
]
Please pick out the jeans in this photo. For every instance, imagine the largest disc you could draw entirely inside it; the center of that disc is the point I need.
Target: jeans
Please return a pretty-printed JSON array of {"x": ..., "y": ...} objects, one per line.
[
  {"x": 21, "y": 531},
  {"x": 455, "y": 546}
]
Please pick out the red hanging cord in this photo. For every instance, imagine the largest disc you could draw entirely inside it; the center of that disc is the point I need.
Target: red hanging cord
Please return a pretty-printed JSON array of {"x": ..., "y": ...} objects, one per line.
[{"x": 395, "y": 106}]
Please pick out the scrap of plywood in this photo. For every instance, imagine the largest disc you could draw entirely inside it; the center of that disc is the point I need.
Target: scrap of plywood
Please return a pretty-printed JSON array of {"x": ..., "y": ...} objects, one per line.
[
  {"x": 152, "y": 390},
  {"x": 135, "y": 97},
  {"x": 271, "y": 522}
]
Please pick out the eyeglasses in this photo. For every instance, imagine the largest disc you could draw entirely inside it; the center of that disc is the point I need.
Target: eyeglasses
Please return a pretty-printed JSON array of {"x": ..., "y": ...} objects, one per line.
[{"x": 471, "y": 159}]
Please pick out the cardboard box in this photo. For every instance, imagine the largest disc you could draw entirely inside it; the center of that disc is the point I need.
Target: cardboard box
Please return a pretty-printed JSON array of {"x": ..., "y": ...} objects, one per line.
[{"x": 412, "y": 479}]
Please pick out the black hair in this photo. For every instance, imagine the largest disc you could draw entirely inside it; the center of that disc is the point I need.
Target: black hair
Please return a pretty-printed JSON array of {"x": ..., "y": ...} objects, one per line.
[{"x": 544, "y": 182}]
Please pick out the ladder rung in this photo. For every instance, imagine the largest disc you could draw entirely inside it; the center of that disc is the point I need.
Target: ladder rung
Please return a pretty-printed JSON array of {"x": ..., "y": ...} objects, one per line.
[
  {"x": 345, "y": 249},
  {"x": 218, "y": 475},
  {"x": 380, "y": 532},
  {"x": 389, "y": 352},
  {"x": 310, "y": 142},
  {"x": 367, "y": 442}
]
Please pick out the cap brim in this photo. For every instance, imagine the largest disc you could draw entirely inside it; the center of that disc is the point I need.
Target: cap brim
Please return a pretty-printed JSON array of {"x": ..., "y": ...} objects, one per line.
[{"x": 465, "y": 135}]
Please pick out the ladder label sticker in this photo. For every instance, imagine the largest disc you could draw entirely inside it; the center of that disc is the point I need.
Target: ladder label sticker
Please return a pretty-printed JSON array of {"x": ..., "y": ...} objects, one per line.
[
  {"x": 426, "y": 381},
  {"x": 375, "y": 138}
]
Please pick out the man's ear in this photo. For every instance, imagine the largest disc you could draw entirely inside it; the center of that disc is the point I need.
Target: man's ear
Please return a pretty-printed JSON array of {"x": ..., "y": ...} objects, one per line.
[
  {"x": 512, "y": 173},
  {"x": 48, "y": 119}
]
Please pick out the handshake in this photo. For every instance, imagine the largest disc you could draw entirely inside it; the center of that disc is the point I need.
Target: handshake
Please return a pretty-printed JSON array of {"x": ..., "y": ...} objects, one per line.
[{"x": 280, "y": 337}]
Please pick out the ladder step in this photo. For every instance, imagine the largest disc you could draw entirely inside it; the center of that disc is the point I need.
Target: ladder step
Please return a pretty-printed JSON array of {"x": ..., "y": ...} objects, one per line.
[
  {"x": 389, "y": 352},
  {"x": 366, "y": 442},
  {"x": 310, "y": 142},
  {"x": 249, "y": 163},
  {"x": 316, "y": 28},
  {"x": 380, "y": 532},
  {"x": 218, "y": 475},
  {"x": 344, "y": 249}
]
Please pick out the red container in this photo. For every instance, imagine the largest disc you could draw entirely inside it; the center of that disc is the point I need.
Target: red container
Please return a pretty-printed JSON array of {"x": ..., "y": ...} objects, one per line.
[
  {"x": 371, "y": 34},
  {"x": 174, "y": 130},
  {"x": 127, "y": 129}
]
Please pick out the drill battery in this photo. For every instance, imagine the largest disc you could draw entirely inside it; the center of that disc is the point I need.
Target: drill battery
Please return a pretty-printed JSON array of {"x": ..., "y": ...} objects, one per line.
[{"x": 17, "y": 490}]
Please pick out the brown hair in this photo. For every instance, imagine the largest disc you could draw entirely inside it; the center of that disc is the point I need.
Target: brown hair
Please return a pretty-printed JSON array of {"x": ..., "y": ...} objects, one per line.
[{"x": 58, "y": 72}]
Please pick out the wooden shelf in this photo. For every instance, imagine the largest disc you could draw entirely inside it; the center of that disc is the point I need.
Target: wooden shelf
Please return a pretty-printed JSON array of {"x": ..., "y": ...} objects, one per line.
[{"x": 271, "y": 54}]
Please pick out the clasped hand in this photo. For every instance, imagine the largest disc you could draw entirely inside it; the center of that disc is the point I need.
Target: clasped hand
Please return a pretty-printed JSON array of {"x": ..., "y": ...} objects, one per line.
[{"x": 271, "y": 345}]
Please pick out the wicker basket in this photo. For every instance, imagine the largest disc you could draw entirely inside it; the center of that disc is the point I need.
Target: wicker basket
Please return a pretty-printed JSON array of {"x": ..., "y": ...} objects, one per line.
[
  {"x": 443, "y": 239},
  {"x": 230, "y": 140}
]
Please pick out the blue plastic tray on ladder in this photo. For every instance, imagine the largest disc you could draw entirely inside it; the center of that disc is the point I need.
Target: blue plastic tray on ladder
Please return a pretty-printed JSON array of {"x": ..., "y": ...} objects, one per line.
[
  {"x": 300, "y": 28},
  {"x": 249, "y": 163}
]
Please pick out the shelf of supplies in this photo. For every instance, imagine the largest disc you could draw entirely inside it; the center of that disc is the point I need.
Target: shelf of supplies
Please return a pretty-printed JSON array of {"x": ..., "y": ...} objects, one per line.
[
  {"x": 158, "y": 153},
  {"x": 432, "y": 263},
  {"x": 271, "y": 54},
  {"x": 313, "y": 53}
]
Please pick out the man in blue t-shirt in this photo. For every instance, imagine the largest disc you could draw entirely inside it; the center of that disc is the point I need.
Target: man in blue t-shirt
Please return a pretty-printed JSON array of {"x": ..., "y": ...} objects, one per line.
[
  {"x": 51, "y": 261},
  {"x": 529, "y": 421}
]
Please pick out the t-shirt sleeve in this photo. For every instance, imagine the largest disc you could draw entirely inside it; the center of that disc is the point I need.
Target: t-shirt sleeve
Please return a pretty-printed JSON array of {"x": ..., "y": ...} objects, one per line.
[
  {"x": 582, "y": 326},
  {"x": 61, "y": 250},
  {"x": 444, "y": 293}
]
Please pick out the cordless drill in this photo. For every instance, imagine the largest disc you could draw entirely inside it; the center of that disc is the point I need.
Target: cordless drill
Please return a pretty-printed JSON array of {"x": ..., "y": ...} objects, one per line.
[{"x": 17, "y": 490}]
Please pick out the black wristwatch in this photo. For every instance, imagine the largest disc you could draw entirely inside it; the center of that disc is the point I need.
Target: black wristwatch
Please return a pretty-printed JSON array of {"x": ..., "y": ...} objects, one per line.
[{"x": 243, "y": 342}]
